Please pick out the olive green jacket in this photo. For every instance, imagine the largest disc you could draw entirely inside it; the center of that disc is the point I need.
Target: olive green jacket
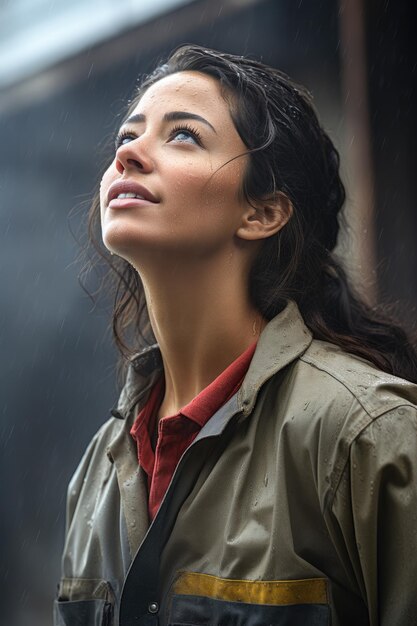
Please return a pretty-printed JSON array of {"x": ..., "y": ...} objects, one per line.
[{"x": 295, "y": 504}]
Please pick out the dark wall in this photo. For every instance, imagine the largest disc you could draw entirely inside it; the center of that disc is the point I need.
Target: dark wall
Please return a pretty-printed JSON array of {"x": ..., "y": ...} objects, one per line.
[{"x": 392, "y": 69}]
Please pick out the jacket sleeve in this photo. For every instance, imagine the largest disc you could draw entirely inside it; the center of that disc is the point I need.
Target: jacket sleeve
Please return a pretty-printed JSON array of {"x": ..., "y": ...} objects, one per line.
[{"x": 376, "y": 511}]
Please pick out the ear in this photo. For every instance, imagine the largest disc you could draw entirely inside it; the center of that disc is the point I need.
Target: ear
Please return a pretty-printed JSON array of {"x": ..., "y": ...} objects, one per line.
[{"x": 265, "y": 217}]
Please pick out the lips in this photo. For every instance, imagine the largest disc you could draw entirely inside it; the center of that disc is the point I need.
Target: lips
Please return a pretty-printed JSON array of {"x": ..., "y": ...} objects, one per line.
[{"x": 127, "y": 186}]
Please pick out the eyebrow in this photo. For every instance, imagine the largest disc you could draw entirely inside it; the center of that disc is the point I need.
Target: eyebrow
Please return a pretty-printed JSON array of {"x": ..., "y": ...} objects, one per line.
[{"x": 172, "y": 116}]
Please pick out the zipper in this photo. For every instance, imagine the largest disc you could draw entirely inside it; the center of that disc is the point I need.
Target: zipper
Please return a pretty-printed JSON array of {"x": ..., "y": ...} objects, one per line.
[{"x": 141, "y": 582}]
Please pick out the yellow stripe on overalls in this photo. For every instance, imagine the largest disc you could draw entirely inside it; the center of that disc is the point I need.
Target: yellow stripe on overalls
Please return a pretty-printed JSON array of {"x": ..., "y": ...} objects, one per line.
[{"x": 276, "y": 592}]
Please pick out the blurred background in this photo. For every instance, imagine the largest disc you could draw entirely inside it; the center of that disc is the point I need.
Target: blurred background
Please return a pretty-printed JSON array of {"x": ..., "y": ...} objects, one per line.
[{"x": 67, "y": 70}]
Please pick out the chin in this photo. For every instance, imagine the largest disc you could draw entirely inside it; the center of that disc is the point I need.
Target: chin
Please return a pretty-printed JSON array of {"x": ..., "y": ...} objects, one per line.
[{"x": 119, "y": 239}]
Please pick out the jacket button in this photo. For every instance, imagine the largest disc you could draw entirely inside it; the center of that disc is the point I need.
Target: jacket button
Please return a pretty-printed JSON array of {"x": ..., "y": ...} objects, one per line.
[{"x": 153, "y": 607}]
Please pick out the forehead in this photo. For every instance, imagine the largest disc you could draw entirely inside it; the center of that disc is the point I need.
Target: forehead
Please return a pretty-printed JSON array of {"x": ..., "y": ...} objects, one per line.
[{"x": 185, "y": 91}]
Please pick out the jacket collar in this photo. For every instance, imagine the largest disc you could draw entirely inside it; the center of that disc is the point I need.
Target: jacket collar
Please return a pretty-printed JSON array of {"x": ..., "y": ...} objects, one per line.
[
  {"x": 143, "y": 371},
  {"x": 283, "y": 339}
]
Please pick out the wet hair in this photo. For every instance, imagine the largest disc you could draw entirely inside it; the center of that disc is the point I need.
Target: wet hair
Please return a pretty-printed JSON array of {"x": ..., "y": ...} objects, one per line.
[{"x": 289, "y": 153}]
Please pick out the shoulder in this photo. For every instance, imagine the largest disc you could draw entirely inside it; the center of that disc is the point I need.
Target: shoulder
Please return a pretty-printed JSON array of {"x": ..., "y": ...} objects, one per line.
[
  {"x": 337, "y": 404},
  {"x": 94, "y": 467},
  {"x": 345, "y": 374},
  {"x": 96, "y": 453},
  {"x": 351, "y": 394}
]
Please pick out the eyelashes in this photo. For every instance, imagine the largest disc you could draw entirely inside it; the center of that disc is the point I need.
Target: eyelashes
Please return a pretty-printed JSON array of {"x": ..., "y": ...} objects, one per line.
[
  {"x": 185, "y": 129},
  {"x": 121, "y": 135}
]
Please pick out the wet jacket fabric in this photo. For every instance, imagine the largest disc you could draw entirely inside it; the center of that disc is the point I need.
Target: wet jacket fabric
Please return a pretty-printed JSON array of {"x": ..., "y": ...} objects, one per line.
[{"x": 295, "y": 505}]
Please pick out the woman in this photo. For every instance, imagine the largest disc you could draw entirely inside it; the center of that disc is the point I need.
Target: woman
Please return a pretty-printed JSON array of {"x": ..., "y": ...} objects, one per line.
[{"x": 260, "y": 465}]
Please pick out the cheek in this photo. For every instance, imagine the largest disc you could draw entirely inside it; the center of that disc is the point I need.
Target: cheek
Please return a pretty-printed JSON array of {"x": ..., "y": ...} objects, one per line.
[
  {"x": 191, "y": 176},
  {"x": 226, "y": 184},
  {"x": 107, "y": 179},
  {"x": 214, "y": 182}
]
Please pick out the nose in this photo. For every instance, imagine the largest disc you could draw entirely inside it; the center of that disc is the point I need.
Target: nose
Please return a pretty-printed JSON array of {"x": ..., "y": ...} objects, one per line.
[{"x": 133, "y": 156}]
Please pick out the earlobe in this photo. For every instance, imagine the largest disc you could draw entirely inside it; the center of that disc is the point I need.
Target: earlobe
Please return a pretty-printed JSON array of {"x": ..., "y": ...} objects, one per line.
[{"x": 265, "y": 218}]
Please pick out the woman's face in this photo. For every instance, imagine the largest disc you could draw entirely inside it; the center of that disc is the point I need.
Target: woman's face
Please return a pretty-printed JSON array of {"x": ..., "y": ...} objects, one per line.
[{"x": 174, "y": 153}]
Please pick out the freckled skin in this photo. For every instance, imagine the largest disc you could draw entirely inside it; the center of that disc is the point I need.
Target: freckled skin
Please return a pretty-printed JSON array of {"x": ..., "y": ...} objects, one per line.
[{"x": 200, "y": 206}]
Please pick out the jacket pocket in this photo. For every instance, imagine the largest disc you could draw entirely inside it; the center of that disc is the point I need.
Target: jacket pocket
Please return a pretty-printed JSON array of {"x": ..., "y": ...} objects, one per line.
[
  {"x": 204, "y": 600},
  {"x": 84, "y": 602},
  {"x": 83, "y": 613}
]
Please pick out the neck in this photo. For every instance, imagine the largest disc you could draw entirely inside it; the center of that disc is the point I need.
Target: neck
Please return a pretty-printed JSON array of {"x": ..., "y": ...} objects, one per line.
[{"x": 202, "y": 320}]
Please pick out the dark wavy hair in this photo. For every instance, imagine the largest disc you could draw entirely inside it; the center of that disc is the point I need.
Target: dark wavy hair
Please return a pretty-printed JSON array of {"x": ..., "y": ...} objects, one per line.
[{"x": 289, "y": 152}]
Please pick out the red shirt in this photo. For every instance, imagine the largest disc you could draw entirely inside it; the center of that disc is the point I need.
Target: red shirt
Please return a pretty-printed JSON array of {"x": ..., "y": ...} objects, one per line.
[{"x": 176, "y": 432}]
